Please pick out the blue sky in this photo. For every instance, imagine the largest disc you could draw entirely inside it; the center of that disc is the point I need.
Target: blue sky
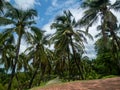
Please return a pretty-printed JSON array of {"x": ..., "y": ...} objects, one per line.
[{"x": 49, "y": 9}]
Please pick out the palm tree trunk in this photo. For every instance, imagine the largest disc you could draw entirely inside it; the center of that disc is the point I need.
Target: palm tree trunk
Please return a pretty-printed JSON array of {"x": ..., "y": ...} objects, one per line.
[
  {"x": 16, "y": 60},
  {"x": 35, "y": 73},
  {"x": 69, "y": 62},
  {"x": 77, "y": 64}
]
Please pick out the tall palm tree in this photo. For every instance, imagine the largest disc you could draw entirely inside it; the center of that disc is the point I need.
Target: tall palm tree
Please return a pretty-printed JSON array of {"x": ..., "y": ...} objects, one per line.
[
  {"x": 21, "y": 22},
  {"x": 96, "y": 9},
  {"x": 68, "y": 36}
]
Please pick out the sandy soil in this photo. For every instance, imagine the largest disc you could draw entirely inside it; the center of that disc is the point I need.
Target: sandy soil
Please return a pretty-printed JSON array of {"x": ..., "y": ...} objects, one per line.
[{"x": 102, "y": 84}]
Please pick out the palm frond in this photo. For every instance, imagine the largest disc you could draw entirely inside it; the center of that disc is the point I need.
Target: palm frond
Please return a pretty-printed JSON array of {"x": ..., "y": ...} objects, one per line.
[
  {"x": 116, "y": 6},
  {"x": 90, "y": 17},
  {"x": 5, "y": 21}
]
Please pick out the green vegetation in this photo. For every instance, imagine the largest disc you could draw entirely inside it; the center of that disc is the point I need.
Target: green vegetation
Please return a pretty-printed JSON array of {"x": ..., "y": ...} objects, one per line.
[{"x": 38, "y": 65}]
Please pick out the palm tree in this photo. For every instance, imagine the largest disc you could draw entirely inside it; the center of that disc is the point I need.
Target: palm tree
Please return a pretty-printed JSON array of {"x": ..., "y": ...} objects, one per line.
[
  {"x": 102, "y": 9},
  {"x": 7, "y": 49},
  {"x": 21, "y": 22},
  {"x": 37, "y": 53},
  {"x": 68, "y": 36}
]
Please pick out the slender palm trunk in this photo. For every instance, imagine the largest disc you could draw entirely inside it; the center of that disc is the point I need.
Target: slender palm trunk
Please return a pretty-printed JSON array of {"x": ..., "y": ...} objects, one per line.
[
  {"x": 35, "y": 73},
  {"x": 77, "y": 64},
  {"x": 69, "y": 62},
  {"x": 16, "y": 60}
]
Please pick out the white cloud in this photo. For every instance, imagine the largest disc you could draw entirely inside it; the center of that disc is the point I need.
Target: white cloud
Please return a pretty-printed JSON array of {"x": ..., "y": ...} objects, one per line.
[
  {"x": 58, "y": 6},
  {"x": 47, "y": 28},
  {"x": 112, "y": 1},
  {"x": 23, "y": 46},
  {"x": 26, "y": 4},
  {"x": 54, "y": 3}
]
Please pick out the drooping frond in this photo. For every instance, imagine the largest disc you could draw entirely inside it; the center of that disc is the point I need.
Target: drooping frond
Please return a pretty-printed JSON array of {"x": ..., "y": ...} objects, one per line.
[
  {"x": 5, "y": 21},
  {"x": 90, "y": 17},
  {"x": 116, "y": 5}
]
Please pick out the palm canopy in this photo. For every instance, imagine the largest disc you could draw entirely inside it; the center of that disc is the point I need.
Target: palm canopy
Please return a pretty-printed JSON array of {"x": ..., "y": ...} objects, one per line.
[
  {"x": 96, "y": 9},
  {"x": 65, "y": 26}
]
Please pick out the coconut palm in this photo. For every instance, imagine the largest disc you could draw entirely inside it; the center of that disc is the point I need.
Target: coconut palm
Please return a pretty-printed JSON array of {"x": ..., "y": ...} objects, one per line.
[
  {"x": 68, "y": 36},
  {"x": 96, "y": 9},
  {"x": 21, "y": 22},
  {"x": 38, "y": 53}
]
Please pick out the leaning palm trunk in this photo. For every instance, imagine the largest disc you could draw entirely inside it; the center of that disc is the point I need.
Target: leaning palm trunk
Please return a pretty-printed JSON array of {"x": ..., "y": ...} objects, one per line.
[
  {"x": 35, "y": 73},
  {"x": 14, "y": 65},
  {"x": 77, "y": 64}
]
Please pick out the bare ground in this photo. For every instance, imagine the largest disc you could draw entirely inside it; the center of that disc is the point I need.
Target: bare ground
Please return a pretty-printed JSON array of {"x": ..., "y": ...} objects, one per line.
[{"x": 101, "y": 84}]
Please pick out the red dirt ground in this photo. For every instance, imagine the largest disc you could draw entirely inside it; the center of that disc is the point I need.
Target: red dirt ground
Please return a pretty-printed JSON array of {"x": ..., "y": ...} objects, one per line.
[{"x": 101, "y": 84}]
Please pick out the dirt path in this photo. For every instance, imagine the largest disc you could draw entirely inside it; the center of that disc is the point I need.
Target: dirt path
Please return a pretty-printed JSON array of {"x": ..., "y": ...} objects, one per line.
[{"x": 102, "y": 84}]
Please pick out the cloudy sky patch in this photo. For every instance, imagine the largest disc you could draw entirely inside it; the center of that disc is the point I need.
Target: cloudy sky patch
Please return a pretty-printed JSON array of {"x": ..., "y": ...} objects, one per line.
[{"x": 26, "y": 4}]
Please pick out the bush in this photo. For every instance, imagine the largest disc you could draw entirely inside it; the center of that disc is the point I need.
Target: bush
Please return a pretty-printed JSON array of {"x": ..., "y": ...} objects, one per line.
[{"x": 92, "y": 75}]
